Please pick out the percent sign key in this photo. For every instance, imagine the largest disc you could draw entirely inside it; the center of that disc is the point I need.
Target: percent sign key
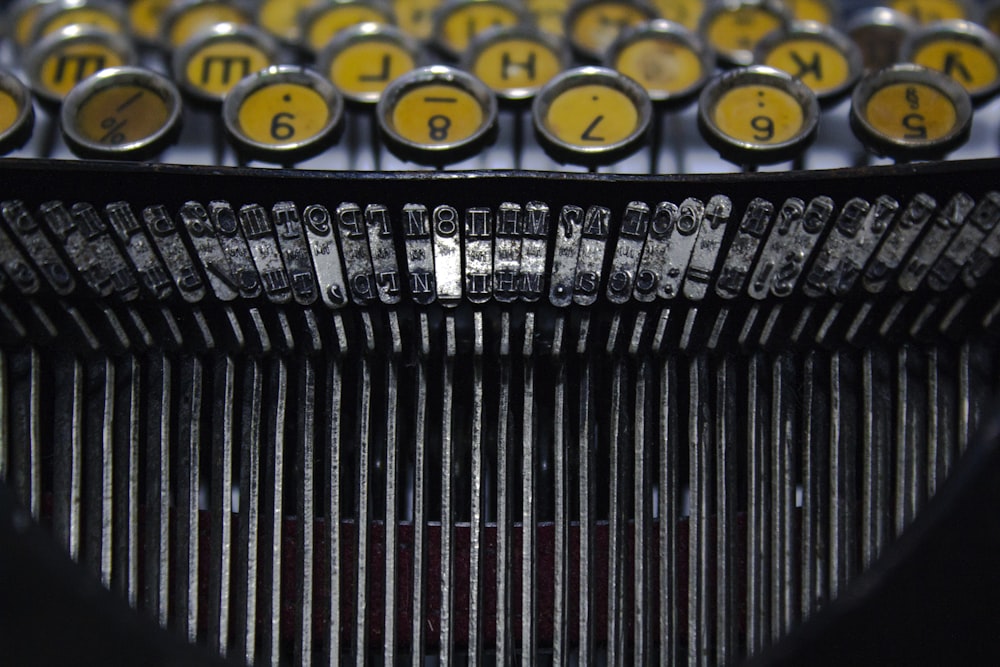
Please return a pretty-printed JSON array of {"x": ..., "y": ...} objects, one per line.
[{"x": 123, "y": 113}]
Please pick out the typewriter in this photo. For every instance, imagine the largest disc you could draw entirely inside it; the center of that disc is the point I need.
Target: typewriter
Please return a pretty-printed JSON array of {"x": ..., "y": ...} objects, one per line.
[{"x": 490, "y": 331}]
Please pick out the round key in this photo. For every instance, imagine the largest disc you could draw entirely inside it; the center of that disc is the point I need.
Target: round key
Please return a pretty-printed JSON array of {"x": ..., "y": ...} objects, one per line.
[
  {"x": 123, "y": 112},
  {"x": 16, "y": 113},
  {"x": 591, "y": 116},
  {"x": 668, "y": 60},
  {"x": 63, "y": 59},
  {"x": 909, "y": 112},
  {"x": 437, "y": 115},
  {"x": 820, "y": 56},
  {"x": 758, "y": 115},
  {"x": 187, "y": 18},
  {"x": 322, "y": 22},
  {"x": 930, "y": 11},
  {"x": 459, "y": 21},
  {"x": 416, "y": 17},
  {"x": 965, "y": 51},
  {"x": 686, "y": 12},
  {"x": 733, "y": 29},
  {"x": 55, "y": 16},
  {"x": 548, "y": 15},
  {"x": 213, "y": 61},
  {"x": 879, "y": 32},
  {"x": 280, "y": 18},
  {"x": 515, "y": 62},
  {"x": 20, "y": 18},
  {"x": 283, "y": 114},
  {"x": 145, "y": 19},
  {"x": 363, "y": 59},
  {"x": 593, "y": 25},
  {"x": 821, "y": 11}
]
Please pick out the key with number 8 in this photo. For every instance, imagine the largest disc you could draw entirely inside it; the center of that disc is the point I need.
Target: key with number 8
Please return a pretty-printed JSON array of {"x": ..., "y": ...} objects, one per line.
[{"x": 437, "y": 115}]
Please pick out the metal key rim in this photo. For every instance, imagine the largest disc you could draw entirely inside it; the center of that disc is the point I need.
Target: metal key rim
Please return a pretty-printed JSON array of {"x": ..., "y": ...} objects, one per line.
[
  {"x": 911, "y": 148},
  {"x": 52, "y": 9},
  {"x": 821, "y": 33},
  {"x": 40, "y": 52},
  {"x": 592, "y": 75},
  {"x": 960, "y": 31},
  {"x": 443, "y": 12},
  {"x": 175, "y": 12},
  {"x": 221, "y": 32},
  {"x": 14, "y": 87},
  {"x": 437, "y": 74},
  {"x": 884, "y": 17},
  {"x": 740, "y": 57},
  {"x": 880, "y": 20},
  {"x": 360, "y": 33},
  {"x": 492, "y": 36},
  {"x": 115, "y": 76},
  {"x": 13, "y": 14},
  {"x": 578, "y": 7},
  {"x": 293, "y": 74},
  {"x": 312, "y": 14},
  {"x": 760, "y": 75},
  {"x": 673, "y": 32}
]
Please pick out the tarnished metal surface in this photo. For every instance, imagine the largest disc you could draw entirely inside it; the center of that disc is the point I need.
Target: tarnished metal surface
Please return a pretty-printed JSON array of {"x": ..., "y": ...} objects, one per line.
[{"x": 511, "y": 445}]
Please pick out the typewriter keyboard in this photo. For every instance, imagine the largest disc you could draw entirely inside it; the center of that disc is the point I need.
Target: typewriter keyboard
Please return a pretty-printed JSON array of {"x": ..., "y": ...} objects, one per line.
[{"x": 492, "y": 331}]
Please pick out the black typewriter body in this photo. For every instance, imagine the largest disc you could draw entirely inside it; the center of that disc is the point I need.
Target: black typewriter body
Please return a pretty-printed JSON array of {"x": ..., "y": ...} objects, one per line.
[{"x": 363, "y": 411}]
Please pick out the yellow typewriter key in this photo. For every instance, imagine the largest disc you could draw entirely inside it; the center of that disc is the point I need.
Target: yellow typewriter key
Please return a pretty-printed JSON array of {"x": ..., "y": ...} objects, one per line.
[
  {"x": 820, "y": 56},
  {"x": 591, "y": 116},
  {"x": 821, "y": 11},
  {"x": 187, "y": 18},
  {"x": 758, "y": 115},
  {"x": 965, "y": 51},
  {"x": 280, "y": 18},
  {"x": 16, "y": 113},
  {"x": 515, "y": 62},
  {"x": 668, "y": 60},
  {"x": 437, "y": 115},
  {"x": 63, "y": 59},
  {"x": 909, "y": 112},
  {"x": 214, "y": 60},
  {"x": 733, "y": 29},
  {"x": 19, "y": 20},
  {"x": 363, "y": 59},
  {"x": 879, "y": 32},
  {"x": 145, "y": 19},
  {"x": 548, "y": 15},
  {"x": 283, "y": 114},
  {"x": 416, "y": 17},
  {"x": 322, "y": 22},
  {"x": 124, "y": 112},
  {"x": 593, "y": 25},
  {"x": 459, "y": 21},
  {"x": 686, "y": 12},
  {"x": 55, "y": 16},
  {"x": 930, "y": 11}
]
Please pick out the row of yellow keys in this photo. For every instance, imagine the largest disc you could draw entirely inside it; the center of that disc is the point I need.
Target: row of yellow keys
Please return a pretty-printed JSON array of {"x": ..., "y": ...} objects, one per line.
[
  {"x": 437, "y": 115},
  {"x": 171, "y": 22}
]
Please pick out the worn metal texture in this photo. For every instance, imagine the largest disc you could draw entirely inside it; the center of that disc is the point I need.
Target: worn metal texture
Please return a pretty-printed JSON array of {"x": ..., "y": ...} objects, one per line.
[{"x": 470, "y": 429}]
